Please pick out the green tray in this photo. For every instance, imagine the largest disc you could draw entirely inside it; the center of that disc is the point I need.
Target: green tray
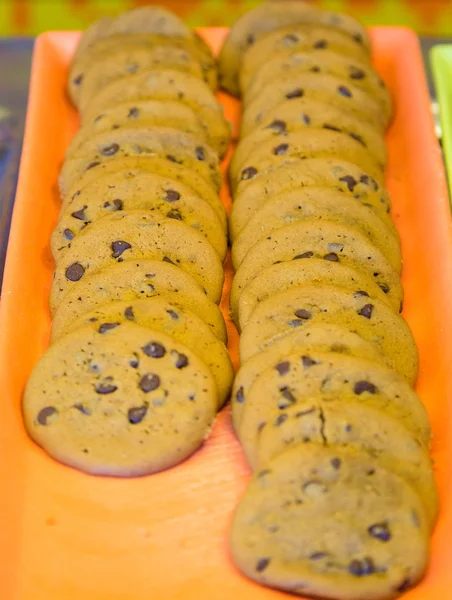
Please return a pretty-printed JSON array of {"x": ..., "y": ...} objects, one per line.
[{"x": 441, "y": 62}]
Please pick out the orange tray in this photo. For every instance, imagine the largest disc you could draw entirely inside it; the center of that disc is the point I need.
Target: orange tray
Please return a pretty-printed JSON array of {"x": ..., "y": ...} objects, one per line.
[{"x": 65, "y": 535}]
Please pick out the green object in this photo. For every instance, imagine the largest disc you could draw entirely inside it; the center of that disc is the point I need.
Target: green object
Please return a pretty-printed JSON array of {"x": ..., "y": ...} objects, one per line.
[{"x": 441, "y": 62}]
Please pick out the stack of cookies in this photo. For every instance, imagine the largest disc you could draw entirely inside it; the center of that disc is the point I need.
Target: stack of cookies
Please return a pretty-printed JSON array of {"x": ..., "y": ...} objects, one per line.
[
  {"x": 342, "y": 500},
  {"x": 138, "y": 365}
]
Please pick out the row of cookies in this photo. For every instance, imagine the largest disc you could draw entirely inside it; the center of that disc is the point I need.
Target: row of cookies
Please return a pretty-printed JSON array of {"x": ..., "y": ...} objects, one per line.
[
  {"x": 137, "y": 368},
  {"x": 343, "y": 499}
]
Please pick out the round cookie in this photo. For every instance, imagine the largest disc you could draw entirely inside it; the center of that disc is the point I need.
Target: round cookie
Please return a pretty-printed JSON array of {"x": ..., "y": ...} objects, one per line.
[
  {"x": 296, "y": 115},
  {"x": 317, "y": 204},
  {"x": 320, "y": 60},
  {"x": 313, "y": 337},
  {"x": 316, "y": 172},
  {"x": 133, "y": 57},
  {"x": 368, "y": 317},
  {"x": 325, "y": 240},
  {"x": 137, "y": 235},
  {"x": 133, "y": 280},
  {"x": 168, "y": 85},
  {"x": 330, "y": 523},
  {"x": 159, "y": 314},
  {"x": 164, "y": 142},
  {"x": 270, "y": 16},
  {"x": 302, "y": 145},
  {"x": 286, "y": 275},
  {"x": 323, "y": 87},
  {"x": 122, "y": 401},
  {"x": 149, "y": 164},
  {"x": 348, "y": 422},
  {"x": 137, "y": 190},
  {"x": 300, "y": 377},
  {"x": 145, "y": 113}
]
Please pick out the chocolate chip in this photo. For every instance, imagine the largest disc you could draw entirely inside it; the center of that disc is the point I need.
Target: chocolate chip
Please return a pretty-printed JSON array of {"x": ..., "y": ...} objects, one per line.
[
  {"x": 118, "y": 204},
  {"x": 167, "y": 259},
  {"x": 80, "y": 214},
  {"x": 290, "y": 39},
  {"x": 240, "y": 395},
  {"x": 359, "y": 294},
  {"x": 278, "y": 126},
  {"x": 110, "y": 150},
  {"x": 302, "y": 313},
  {"x": 361, "y": 568},
  {"x": 297, "y": 93},
  {"x": 200, "y": 153},
  {"x": 336, "y": 463},
  {"x": 304, "y": 255},
  {"x": 331, "y": 256},
  {"x": 173, "y": 159},
  {"x": 93, "y": 164},
  {"x": 154, "y": 350},
  {"x": 45, "y": 413},
  {"x": 296, "y": 322},
  {"x": 356, "y": 73},
  {"x": 370, "y": 181},
  {"x": 344, "y": 91},
  {"x": 128, "y": 313},
  {"x": 331, "y": 127},
  {"x": 365, "y": 386},
  {"x": 308, "y": 361},
  {"x": 261, "y": 426},
  {"x": 134, "y": 362},
  {"x": 248, "y": 173},
  {"x": 82, "y": 409},
  {"x": 174, "y": 214},
  {"x": 173, "y": 314},
  {"x": 357, "y": 137},
  {"x": 280, "y": 420},
  {"x": 119, "y": 247},
  {"x": 318, "y": 555},
  {"x": 384, "y": 288},
  {"x": 380, "y": 531},
  {"x": 283, "y": 367},
  {"x": 78, "y": 80},
  {"x": 181, "y": 360},
  {"x": 287, "y": 394},
  {"x": 68, "y": 234},
  {"x": 106, "y": 386},
  {"x": 149, "y": 382},
  {"x": 366, "y": 311},
  {"x": 281, "y": 149},
  {"x": 75, "y": 272},
  {"x": 320, "y": 45},
  {"x": 133, "y": 113},
  {"x": 172, "y": 195},
  {"x": 358, "y": 38},
  {"x": 107, "y": 326},
  {"x": 250, "y": 39},
  {"x": 262, "y": 564},
  {"x": 306, "y": 119},
  {"x": 403, "y": 586},
  {"x": 350, "y": 181},
  {"x": 137, "y": 414}
]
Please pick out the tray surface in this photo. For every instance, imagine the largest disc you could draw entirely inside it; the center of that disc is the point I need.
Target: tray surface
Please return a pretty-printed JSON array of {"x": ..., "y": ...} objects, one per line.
[{"x": 66, "y": 535}]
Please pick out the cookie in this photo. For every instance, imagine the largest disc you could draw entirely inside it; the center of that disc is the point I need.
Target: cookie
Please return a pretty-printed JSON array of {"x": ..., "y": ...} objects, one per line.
[
  {"x": 322, "y": 239},
  {"x": 313, "y": 337},
  {"x": 137, "y": 190},
  {"x": 298, "y": 114},
  {"x": 133, "y": 280},
  {"x": 164, "y": 142},
  {"x": 146, "y": 113},
  {"x": 351, "y": 423},
  {"x": 137, "y": 235},
  {"x": 334, "y": 379},
  {"x": 316, "y": 172},
  {"x": 320, "y": 60},
  {"x": 286, "y": 275},
  {"x": 269, "y": 17},
  {"x": 122, "y": 401},
  {"x": 305, "y": 526},
  {"x": 323, "y": 87},
  {"x": 368, "y": 317},
  {"x": 317, "y": 204},
  {"x": 149, "y": 164},
  {"x": 159, "y": 314},
  {"x": 168, "y": 85},
  {"x": 302, "y": 145}
]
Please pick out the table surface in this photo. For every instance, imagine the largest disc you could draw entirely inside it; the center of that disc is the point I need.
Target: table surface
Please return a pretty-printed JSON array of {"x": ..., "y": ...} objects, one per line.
[{"x": 15, "y": 63}]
